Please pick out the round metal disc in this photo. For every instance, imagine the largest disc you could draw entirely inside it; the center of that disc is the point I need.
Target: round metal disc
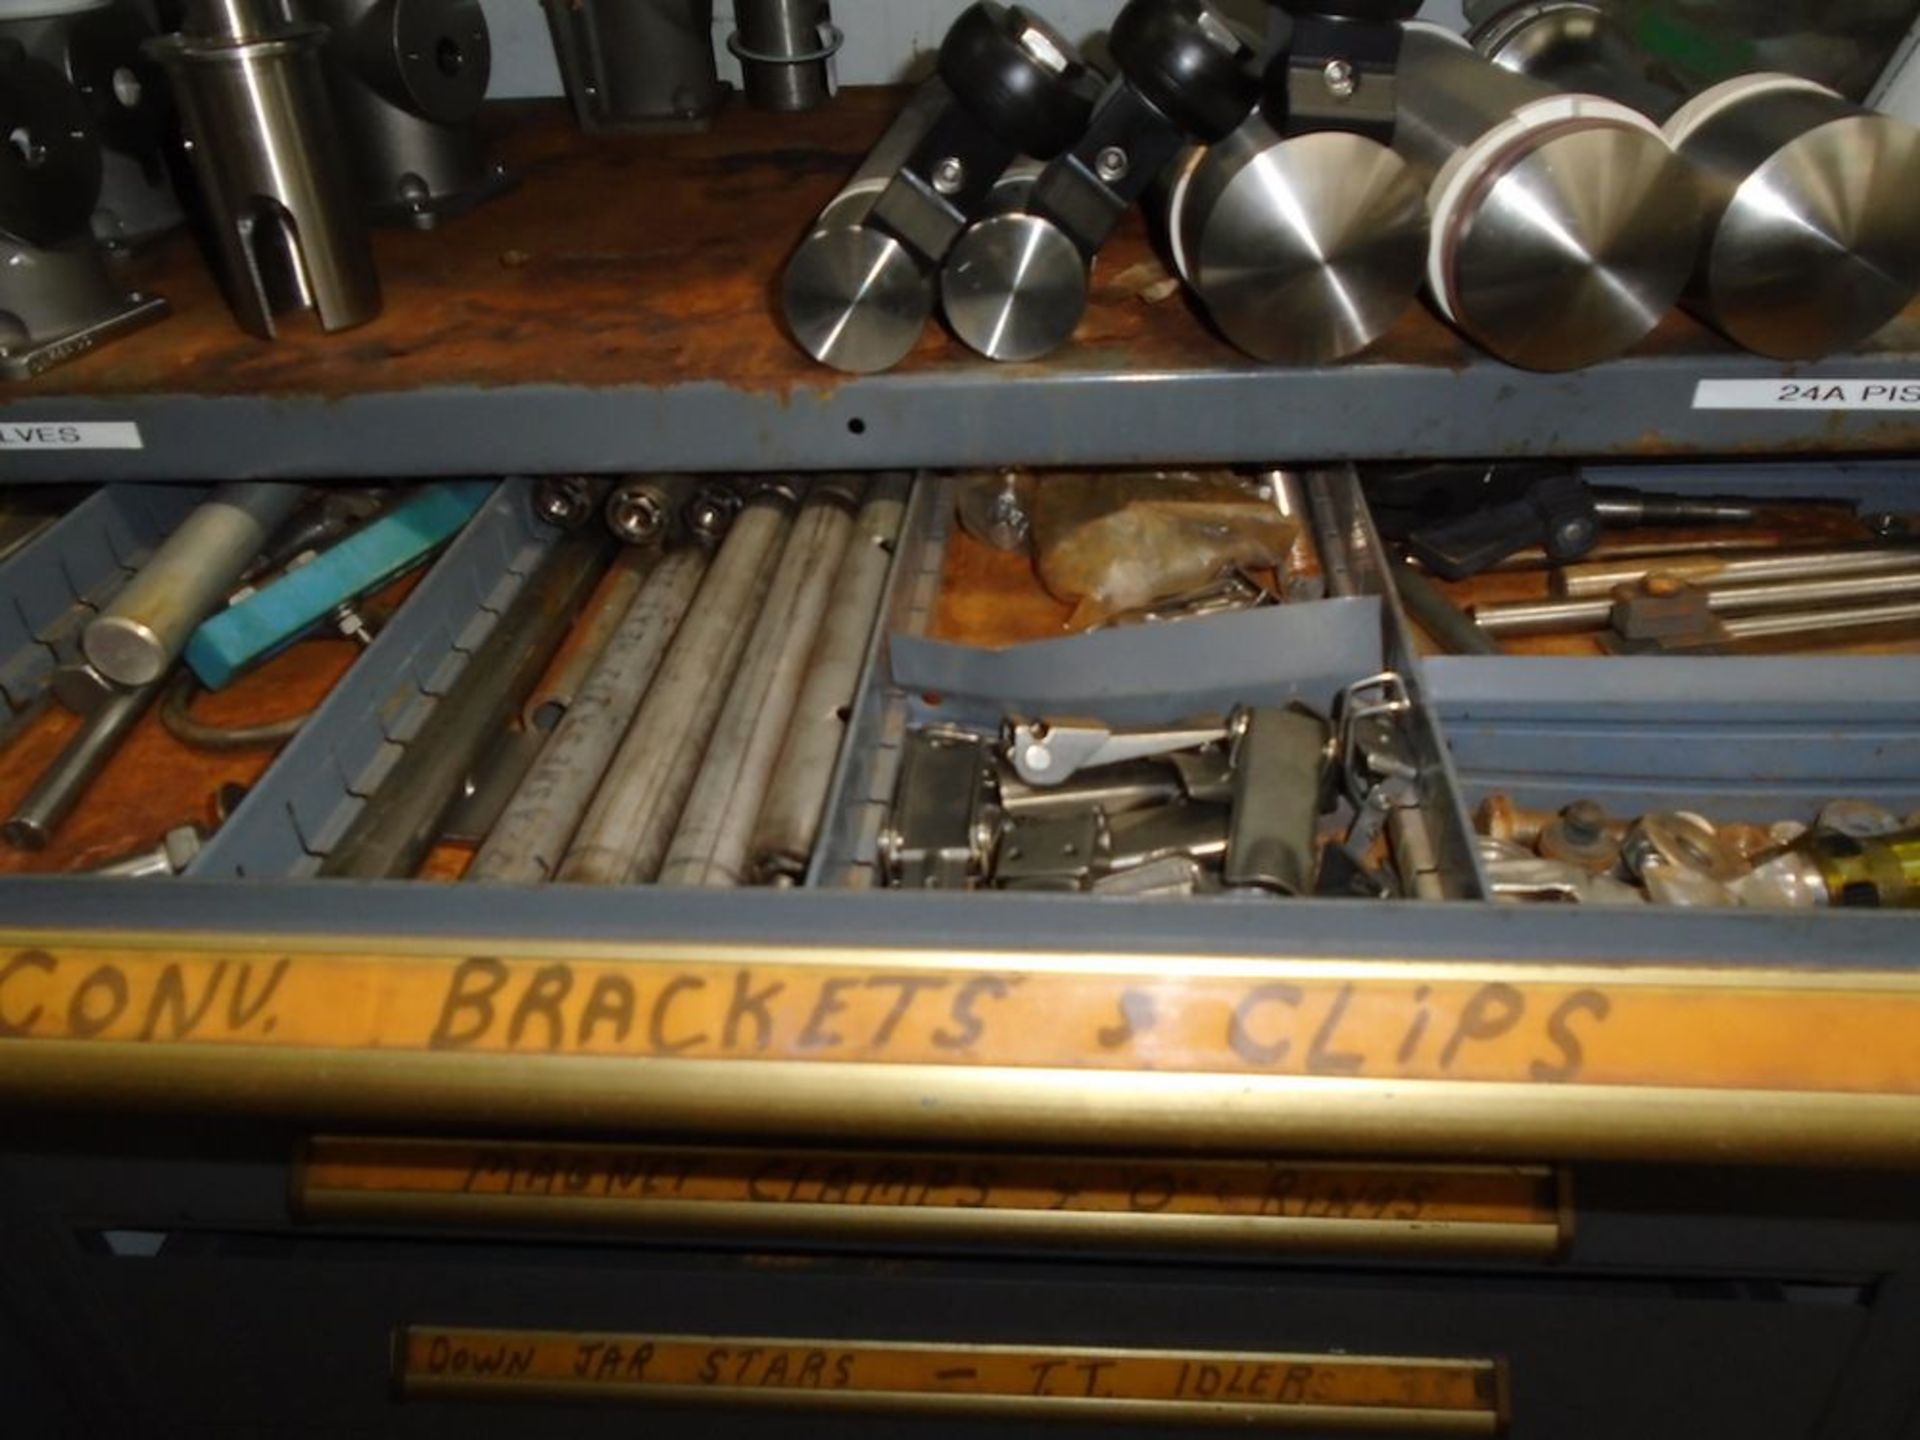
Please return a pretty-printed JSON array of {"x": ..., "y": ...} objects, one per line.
[
  {"x": 856, "y": 299},
  {"x": 1304, "y": 250},
  {"x": 1820, "y": 246},
  {"x": 1014, "y": 287},
  {"x": 1575, "y": 252},
  {"x": 50, "y": 166},
  {"x": 444, "y": 55}
]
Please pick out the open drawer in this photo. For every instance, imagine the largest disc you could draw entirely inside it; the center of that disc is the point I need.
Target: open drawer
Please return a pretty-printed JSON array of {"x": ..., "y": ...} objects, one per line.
[{"x": 839, "y": 1006}]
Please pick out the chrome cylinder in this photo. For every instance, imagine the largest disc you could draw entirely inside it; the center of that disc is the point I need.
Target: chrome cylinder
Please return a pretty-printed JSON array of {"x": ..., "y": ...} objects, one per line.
[
  {"x": 1576, "y": 582},
  {"x": 1812, "y": 235},
  {"x": 530, "y": 839},
  {"x": 854, "y": 297},
  {"x": 1303, "y": 249},
  {"x": 274, "y": 178},
  {"x": 627, "y": 829},
  {"x": 1564, "y": 227},
  {"x": 789, "y": 822},
  {"x": 1554, "y": 617},
  {"x": 136, "y": 639},
  {"x": 1014, "y": 286},
  {"x": 784, "y": 48},
  {"x": 715, "y": 835}
]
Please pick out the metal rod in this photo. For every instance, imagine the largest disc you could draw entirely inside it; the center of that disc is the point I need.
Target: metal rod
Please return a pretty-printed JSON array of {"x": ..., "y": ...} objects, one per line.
[
  {"x": 398, "y": 824},
  {"x": 710, "y": 846},
  {"x": 1558, "y": 616},
  {"x": 1578, "y": 582},
  {"x": 788, "y": 825},
  {"x": 1435, "y": 613},
  {"x": 139, "y": 636},
  {"x": 528, "y": 843},
  {"x": 549, "y": 701},
  {"x": 1329, "y": 537},
  {"x": 61, "y": 784},
  {"x": 1762, "y": 627},
  {"x": 626, "y": 831}
]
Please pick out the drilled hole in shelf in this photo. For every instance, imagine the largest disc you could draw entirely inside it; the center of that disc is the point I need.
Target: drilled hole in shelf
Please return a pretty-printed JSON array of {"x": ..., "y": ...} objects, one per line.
[{"x": 857, "y": 426}]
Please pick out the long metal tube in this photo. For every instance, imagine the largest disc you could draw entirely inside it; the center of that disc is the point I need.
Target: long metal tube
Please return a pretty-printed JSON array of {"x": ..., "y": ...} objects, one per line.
[
  {"x": 1558, "y": 616},
  {"x": 1766, "y": 627},
  {"x": 1812, "y": 237},
  {"x": 626, "y": 831},
  {"x": 854, "y": 297},
  {"x": 1434, "y": 612},
  {"x": 550, "y": 700},
  {"x": 60, "y": 786},
  {"x": 398, "y": 824},
  {"x": 1577, "y": 582},
  {"x": 527, "y": 844},
  {"x": 711, "y": 844},
  {"x": 1564, "y": 226},
  {"x": 137, "y": 637},
  {"x": 789, "y": 822}
]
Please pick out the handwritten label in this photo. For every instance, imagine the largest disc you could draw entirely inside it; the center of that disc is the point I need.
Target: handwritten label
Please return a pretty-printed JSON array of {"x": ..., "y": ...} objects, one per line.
[
  {"x": 71, "y": 435},
  {"x": 1807, "y": 395},
  {"x": 1401, "y": 1395},
  {"x": 1496, "y": 1209},
  {"x": 1819, "y": 1032}
]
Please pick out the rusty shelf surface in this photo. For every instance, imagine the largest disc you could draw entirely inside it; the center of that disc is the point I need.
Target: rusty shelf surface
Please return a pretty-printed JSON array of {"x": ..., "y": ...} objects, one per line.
[{"x": 616, "y": 312}]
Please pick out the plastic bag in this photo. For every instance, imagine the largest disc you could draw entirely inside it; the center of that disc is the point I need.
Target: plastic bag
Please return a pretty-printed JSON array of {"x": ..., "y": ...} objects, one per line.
[{"x": 1110, "y": 545}]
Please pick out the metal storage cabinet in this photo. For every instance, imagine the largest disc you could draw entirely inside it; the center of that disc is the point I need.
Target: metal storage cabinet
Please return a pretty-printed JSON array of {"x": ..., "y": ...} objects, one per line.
[{"x": 157, "y": 1275}]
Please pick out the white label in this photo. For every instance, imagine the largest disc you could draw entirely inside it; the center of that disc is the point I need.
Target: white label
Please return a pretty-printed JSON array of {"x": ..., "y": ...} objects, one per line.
[
  {"x": 1807, "y": 395},
  {"x": 71, "y": 435}
]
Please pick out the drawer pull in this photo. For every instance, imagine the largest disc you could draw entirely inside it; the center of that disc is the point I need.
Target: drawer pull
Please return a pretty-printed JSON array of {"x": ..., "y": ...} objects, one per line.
[
  {"x": 1391, "y": 1396},
  {"x": 1514, "y": 1211}
]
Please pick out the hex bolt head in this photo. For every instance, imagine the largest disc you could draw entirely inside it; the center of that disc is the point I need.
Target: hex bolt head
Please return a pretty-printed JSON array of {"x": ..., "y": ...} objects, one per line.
[
  {"x": 1112, "y": 164},
  {"x": 1341, "y": 79},
  {"x": 564, "y": 501}
]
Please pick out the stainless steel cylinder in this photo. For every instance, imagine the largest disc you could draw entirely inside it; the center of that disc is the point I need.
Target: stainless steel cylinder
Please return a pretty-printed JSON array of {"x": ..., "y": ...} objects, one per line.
[
  {"x": 60, "y": 787},
  {"x": 282, "y": 210},
  {"x": 784, "y": 48},
  {"x": 788, "y": 825},
  {"x": 1303, "y": 249},
  {"x": 1812, "y": 234},
  {"x": 1557, "y": 616},
  {"x": 643, "y": 65},
  {"x": 96, "y": 47},
  {"x": 530, "y": 839},
  {"x": 1014, "y": 285},
  {"x": 408, "y": 78},
  {"x": 138, "y": 636},
  {"x": 854, "y": 297},
  {"x": 1564, "y": 226},
  {"x": 397, "y": 826},
  {"x": 625, "y": 833},
  {"x": 712, "y": 843},
  {"x": 1577, "y": 582}
]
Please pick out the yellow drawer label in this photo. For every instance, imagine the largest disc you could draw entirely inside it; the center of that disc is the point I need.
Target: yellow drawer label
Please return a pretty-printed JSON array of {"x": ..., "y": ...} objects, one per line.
[
  {"x": 1835, "y": 1032},
  {"x": 1365, "y": 1208},
  {"x": 1398, "y": 1396}
]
